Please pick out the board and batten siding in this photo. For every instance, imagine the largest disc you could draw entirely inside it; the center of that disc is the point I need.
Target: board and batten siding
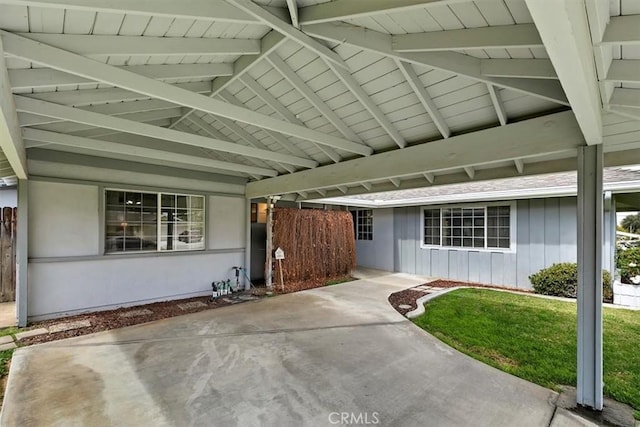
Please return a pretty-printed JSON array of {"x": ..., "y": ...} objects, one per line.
[
  {"x": 546, "y": 233},
  {"x": 68, "y": 272}
]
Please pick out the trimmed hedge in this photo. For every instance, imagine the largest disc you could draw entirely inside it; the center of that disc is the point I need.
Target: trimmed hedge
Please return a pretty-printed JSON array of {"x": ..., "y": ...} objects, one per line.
[
  {"x": 628, "y": 264},
  {"x": 561, "y": 280}
]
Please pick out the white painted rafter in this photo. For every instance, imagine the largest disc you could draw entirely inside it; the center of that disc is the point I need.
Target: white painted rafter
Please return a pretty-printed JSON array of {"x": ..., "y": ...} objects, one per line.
[
  {"x": 518, "y": 68},
  {"x": 311, "y": 96},
  {"x": 624, "y": 71},
  {"x": 557, "y": 134},
  {"x": 497, "y": 104},
  {"x": 113, "y": 147},
  {"x": 429, "y": 177},
  {"x": 366, "y": 185},
  {"x": 356, "y": 89},
  {"x": 470, "y": 171},
  {"x": 622, "y": 30},
  {"x": 268, "y": 44},
  {"x": 340, "y": 10},
  {"x": 10, "y": 137},
  {"x": 284, "y": 112},
  {"x": 288, "y": 31},
  {"x": 239, "y": 131},
  {"x": 122, "y": 125},
  {"x": 395, "y": 182},
  {"x": 278, "y": 137},
  {"x": 138, "y": 45},
  {"x": 623, "y": 97},
  {"x": 519, "y": 165},
  {"x": 423, "y": 96},
  {"x": 564, "y": 28},
  {"x": 182, "y": 127},
  {"x": 452, "y": 62},
  {"x": 503, "y": 37},
  {"x": 292, "y": 5},
  {"x": 79, "y": 65},
  {"x": 598, "y": 13},
  {"x": 211, "y": 10},
  {"x": 43, "y": 77},
  {"x": 58, "y": 125},
  {"x": 94, "y": 97}
]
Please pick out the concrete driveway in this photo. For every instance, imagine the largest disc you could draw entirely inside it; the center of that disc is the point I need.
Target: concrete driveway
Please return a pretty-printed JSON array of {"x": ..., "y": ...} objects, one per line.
[{"x": 339, "y": 355}]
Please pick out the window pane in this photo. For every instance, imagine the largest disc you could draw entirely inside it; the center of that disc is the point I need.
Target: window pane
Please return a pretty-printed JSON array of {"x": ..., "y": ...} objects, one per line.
[
  {"x": 498, "y": 226},
  {"x": 363, "y": 224},
  {"x": 168, "y": 200},
  {"x": 182, "y": 226},
  {"x": 126, "y": 223}
]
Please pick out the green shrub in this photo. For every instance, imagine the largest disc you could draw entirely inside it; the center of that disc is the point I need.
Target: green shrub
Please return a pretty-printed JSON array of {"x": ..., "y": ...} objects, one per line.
[
  {"x": 561, "y": 280},
  {"x": 628, "y": 264}
]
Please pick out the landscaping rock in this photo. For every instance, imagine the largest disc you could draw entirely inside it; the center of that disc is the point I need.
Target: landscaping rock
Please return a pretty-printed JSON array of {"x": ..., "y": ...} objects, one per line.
[
  {"x": 191, "y": 305},
  {"x": 136, "y": 313},
  {"x": 68, "y": 326},
  {"x": 31, "y": 333}
]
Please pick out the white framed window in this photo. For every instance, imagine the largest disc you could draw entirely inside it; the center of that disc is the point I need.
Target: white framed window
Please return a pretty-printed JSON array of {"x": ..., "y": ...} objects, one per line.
[
  {"x": 473, "y": 227},
  {"x": 137, "y": 221},
  {"x": 363, "y": 224}
]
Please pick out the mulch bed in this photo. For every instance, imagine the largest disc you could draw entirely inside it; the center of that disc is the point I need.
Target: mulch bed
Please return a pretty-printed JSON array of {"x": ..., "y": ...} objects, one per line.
[
  {"x": 409, "y": 296},
  {"x": 112, "y": 319},
  {"x": 304, "y": 285}
]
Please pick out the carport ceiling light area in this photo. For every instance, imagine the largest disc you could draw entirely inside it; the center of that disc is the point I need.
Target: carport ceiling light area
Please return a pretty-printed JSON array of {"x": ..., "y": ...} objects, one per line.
[{"x": 311, "y": 98}]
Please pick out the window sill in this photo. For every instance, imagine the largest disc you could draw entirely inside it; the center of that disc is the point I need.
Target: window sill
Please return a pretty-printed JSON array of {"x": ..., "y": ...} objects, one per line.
[
  {"x": 453, "y": 248},
  {"x": 135, "y": 255}
]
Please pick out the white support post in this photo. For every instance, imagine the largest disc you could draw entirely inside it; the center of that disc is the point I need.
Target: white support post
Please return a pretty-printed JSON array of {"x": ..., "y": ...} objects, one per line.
[
  {"x": 609, "y": 248},
  {"x": 590, "y": 224},
  {"x": 247, "y": 247},
  {"x": 268, "y": 269},
  {"x": 22, "y": 254}
]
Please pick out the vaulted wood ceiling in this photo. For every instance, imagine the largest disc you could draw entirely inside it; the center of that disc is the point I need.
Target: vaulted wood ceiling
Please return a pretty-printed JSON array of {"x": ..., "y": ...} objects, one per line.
[{"x": 311, "y": 98}]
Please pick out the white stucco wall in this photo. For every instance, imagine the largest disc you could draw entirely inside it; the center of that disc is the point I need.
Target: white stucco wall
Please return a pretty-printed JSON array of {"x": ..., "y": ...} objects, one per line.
[
  {"x": 63, "y": 220},
  {"x": 226, "y": 217},
  {"x": 68, "y": 272}
]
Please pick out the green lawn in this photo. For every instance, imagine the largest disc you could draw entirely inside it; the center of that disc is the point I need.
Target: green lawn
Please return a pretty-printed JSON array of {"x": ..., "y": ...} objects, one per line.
[{"x": 535, "y": 338}]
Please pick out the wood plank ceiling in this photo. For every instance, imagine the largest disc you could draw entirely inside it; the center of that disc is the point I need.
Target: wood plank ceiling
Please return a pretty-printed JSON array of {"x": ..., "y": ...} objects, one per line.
[{"x": 273, "y": 90}]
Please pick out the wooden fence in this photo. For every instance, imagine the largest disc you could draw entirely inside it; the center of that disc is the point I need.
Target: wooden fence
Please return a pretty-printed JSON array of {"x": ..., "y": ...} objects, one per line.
[{"x": 8, "y": 230}]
